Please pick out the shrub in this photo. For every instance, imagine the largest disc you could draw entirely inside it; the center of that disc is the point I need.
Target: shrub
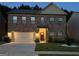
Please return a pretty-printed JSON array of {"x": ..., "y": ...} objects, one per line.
[
  {"x": 69, "y": 41},
  {"x": 7, "y": 39},
  {"x": 50, "y": 40}
]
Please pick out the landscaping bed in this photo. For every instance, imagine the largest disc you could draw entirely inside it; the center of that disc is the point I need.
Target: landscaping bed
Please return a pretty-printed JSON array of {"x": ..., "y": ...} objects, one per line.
[{"x": 55, "y": 47}]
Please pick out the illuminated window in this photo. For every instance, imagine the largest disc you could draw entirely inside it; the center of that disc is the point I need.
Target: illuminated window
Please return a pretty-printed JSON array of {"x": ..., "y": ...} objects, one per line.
[
  {"x": 14, "y": 19},
  {"x": 23, "y": 19}
]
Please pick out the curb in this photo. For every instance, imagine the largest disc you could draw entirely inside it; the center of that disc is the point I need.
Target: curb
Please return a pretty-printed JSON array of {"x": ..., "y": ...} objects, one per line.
[{"x": 57, "y": 52}]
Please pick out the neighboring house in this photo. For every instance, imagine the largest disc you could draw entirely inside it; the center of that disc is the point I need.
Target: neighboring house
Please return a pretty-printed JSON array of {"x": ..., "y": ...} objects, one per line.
[
  {"x": 28, "y": 25},
  {"x": 2, "y": 26},
  {"x": 73, "y": 27}
]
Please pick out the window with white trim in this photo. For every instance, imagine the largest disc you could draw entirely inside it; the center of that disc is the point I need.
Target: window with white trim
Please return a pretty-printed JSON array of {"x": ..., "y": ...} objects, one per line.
[
  {"x": 14, "y": 19},
  {"x": 42, "y": 20},
  {"x": 32, "y": 20},
  {"x": 51, "y": 19},
  {"x": 60, "y": 19},
  {"x": 60, "y": 33},
  {"x": 23, "y": 19}
]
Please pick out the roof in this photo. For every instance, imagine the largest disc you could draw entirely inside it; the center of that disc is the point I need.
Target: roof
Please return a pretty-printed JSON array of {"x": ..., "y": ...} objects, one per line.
[
  {"x": 24, "y": 11},
  {"x": 50, "y": 9}
]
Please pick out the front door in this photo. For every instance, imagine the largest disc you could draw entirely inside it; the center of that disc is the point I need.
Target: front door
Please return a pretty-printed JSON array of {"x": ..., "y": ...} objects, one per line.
[{"x": 42, "y": 36}]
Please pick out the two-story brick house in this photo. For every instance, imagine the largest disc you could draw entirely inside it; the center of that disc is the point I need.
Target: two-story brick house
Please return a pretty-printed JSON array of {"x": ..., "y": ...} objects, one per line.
[{"x": 27, "y": 25}]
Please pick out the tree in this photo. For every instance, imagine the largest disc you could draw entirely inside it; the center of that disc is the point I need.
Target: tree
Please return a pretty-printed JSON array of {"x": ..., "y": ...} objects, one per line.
[
  {"x": 14, "y": 8},
  {"x": 40, "y": 8},
  {"x": 68, "y": 14},
  {"x": 24, "y": 7},
  {"x": 36, "y": 7}
]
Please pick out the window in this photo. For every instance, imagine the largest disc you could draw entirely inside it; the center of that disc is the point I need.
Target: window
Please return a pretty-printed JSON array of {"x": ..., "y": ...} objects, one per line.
[
  {"x": 60, "y": 19},
  {"x": 32, "y": 20},
  {"x": 59, "y": 33},
  {"x": 51, "y": 19},
  {"x": 23, "y": 19},
  {"x": 52, "y": 34},
  {"x": 42, "y": 18},
  {"x": 14, "y": 19}
]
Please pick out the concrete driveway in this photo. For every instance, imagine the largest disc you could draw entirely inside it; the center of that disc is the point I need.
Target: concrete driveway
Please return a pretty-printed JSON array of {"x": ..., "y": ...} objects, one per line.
[{"x": 17, "y": 49}]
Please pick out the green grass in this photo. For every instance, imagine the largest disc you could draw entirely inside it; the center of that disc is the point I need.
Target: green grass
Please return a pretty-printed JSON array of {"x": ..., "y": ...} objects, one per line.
[{"x": 54, "y": 47}]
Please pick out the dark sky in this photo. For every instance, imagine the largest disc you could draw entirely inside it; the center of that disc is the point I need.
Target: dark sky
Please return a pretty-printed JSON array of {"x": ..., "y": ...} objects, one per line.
[{"x": 74, "y": 6}]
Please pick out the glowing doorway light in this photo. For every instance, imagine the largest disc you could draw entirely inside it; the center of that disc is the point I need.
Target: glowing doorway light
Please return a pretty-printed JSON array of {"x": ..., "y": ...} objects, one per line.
[{"x": 9, "y": 34}]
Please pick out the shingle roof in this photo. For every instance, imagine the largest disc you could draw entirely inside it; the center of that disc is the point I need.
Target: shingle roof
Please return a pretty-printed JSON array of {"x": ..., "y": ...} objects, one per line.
[
  {"x": 50, "y": 9},
  {"x": 24, "y": 11}
]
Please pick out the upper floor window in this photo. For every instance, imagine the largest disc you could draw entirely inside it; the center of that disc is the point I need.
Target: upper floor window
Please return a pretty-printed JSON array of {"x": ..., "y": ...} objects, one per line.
[
  {"x": 14, "y": 19},
  {"x": 23, "y": 19},
  {"x": 60, "y": 19},
  {"x": 59, "y": 33},
  {"x": 32, "y": 20},
  {"x": 42, "y": 19},
  {"x": 51, "y": 19}
]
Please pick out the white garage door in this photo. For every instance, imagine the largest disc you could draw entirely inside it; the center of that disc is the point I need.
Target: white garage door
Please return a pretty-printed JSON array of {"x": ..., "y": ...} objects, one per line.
[{"x": 24, "y": 37}]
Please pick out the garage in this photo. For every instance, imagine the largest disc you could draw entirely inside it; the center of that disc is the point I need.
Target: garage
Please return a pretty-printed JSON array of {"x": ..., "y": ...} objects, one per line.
[{"x": 24, "y": 37}]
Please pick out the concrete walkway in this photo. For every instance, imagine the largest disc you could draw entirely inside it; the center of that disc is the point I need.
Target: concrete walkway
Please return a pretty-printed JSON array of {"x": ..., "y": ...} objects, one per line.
[{"x": 17, "y": 49}]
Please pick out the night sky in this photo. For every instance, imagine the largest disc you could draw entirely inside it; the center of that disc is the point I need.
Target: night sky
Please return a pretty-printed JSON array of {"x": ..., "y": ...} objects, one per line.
[{"x": 74, "y": 6}]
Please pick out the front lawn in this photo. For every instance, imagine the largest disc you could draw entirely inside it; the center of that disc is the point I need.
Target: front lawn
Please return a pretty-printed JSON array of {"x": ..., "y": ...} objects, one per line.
[{"x": 55, "y": 47}]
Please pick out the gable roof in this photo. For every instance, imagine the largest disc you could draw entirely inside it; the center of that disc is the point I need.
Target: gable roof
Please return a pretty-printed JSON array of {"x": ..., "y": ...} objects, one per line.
[{"x": 52, "y": 9}]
